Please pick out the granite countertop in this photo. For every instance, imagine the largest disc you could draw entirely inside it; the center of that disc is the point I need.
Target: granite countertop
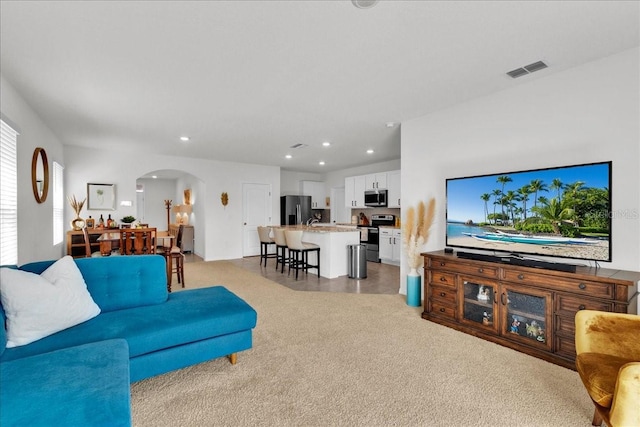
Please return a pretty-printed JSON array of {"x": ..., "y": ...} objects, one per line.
[{"x": 318, "y": 228}]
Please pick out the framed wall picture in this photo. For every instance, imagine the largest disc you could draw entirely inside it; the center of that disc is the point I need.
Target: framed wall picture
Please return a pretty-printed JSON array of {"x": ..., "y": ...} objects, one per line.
[{"x": 101, "y": 197}]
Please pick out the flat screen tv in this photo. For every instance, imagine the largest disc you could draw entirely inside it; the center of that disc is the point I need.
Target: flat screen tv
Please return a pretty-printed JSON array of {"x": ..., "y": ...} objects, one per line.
[{"x": 559, "y": 212}]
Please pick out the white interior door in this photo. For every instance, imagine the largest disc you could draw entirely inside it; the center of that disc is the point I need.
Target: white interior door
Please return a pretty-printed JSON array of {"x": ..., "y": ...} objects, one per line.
[{"x": 256, "y": 210}]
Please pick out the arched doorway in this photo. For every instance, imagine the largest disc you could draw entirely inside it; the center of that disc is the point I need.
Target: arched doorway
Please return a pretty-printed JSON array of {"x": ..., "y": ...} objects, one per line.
[{"x": 153, "y": 191}]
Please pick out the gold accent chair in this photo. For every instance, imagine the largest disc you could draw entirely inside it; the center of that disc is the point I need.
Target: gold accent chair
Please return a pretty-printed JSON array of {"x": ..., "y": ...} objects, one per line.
[{"x": 608, "y": 361}]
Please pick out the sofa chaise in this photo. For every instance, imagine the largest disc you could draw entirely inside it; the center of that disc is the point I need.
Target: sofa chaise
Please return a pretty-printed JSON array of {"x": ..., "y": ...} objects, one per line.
[{"x": 162, "y": 331}]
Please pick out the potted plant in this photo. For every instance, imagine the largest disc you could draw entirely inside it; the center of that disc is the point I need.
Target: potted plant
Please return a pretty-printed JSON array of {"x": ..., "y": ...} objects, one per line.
[
  {"x": 415, "y": 233},
  {"x": 126, "y": 221}
]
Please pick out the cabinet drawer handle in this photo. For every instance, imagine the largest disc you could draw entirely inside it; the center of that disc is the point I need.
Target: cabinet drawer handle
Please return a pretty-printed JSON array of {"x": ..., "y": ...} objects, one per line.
[
  {"x": 442, "y": 263},
  {"x": 581, "y": 307},
  {"x": 442, "y": 294},
  {"x": 582, "y": 286},
  {"x": 521, "y": 276},
  {"x": 442, "y": 310},
  {"x": 443, "y": 279},
  {"x": 503, "y": 297},
  {"x": 481, "y": 270}
]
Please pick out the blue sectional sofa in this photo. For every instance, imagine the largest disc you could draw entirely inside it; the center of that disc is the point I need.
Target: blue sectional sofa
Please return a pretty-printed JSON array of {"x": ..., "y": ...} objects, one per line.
[{"x": 162, "y": 331}]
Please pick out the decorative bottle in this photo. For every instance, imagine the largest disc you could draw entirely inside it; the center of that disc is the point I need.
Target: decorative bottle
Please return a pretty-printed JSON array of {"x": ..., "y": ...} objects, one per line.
[
  {"x": 101, "y": 222},
  {"x": 109, "y": 222}
]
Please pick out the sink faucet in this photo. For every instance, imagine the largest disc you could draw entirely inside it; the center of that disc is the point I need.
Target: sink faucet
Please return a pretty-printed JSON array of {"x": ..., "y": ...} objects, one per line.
[{"x": 312, "y": 221}]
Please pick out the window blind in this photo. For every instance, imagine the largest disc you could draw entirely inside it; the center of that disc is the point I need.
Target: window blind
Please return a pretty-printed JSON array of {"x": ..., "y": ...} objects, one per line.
[
  {"x": 8, "y": 195},
  {"x": 58, "y": 203}
]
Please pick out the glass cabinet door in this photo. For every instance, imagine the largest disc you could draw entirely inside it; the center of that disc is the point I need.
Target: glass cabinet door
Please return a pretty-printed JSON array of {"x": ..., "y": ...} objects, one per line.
[
  {"x": 527, "y": 315},
  {"x": 478, "y": 304}
]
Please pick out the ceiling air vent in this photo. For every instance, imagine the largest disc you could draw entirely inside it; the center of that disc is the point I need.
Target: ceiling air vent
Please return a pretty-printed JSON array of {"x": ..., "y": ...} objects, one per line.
[
  {"x": 518, "y": 72},
  {"x": 527, "y": 69},
  {"x": 299, "y": 145},
  {"x": 536, "y": 66}
]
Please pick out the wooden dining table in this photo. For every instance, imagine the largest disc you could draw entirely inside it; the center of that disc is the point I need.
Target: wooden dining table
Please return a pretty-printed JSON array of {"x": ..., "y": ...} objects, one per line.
[
  {"x": 110, "y": 240},
  {"x": 106, "y": 242}
]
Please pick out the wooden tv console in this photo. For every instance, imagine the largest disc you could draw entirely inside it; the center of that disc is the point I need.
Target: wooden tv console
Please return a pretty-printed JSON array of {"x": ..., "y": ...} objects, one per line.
[{"x": 527, "y": 309}]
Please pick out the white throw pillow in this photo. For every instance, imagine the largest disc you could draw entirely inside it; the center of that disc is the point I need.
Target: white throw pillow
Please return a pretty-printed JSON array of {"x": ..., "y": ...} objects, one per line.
[{"x": 37, "y": 306}]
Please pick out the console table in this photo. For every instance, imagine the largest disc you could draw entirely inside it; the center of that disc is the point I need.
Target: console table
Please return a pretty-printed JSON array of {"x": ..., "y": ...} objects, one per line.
[
  {"x": 527, "y": 309},
  {"x": 75, "y": 240}
]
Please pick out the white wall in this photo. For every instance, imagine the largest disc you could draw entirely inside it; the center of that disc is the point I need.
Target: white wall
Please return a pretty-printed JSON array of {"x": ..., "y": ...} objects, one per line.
[
  {"x": 290, "y": 181},
  {"x": 581, "y": 115},
  {"x": 156, "y": 191},
  {"x": 35, "y": 224},
  {"x": 221, "y": 227}
]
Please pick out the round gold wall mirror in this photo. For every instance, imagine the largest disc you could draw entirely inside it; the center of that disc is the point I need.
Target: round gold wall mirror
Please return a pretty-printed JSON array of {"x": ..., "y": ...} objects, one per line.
[{"x": 40, "y": 174}]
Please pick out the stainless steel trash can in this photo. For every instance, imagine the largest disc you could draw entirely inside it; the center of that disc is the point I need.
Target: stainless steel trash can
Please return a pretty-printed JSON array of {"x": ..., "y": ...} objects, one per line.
[{"x": 357, "y": 268}]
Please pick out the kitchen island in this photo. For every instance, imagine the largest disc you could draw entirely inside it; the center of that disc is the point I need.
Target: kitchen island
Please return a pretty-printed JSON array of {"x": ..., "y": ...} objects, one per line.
[{"x": 333, "y": 242}]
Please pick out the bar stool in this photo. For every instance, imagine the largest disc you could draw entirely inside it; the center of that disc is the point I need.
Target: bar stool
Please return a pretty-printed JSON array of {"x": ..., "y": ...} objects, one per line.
[
  {"x": 281, "y": 248},
  {"x": 265, "y": 243},
  {"x": 299, "y": 252}
]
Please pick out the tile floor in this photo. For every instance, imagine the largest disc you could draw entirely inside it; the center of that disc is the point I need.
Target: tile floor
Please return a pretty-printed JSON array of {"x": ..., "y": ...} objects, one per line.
[{"x": 381, "y": 278}]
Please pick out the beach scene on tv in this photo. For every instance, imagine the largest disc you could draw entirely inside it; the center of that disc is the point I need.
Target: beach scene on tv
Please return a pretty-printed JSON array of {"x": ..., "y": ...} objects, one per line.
[{"x": 560, "y": 212}]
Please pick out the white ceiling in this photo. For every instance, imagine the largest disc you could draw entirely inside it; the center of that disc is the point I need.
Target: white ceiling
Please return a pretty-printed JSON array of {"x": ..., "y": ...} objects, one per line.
[{"x": 248, "y": 79}]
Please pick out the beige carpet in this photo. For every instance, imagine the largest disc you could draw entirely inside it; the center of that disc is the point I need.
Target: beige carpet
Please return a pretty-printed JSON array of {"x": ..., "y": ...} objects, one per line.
[{"x": 322, "y": 359}]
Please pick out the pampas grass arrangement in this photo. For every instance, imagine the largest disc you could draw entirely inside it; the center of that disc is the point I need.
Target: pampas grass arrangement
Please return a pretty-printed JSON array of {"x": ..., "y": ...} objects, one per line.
[
  {"x": 415, "y": 231},
  {"x": 75, "y": 204}
]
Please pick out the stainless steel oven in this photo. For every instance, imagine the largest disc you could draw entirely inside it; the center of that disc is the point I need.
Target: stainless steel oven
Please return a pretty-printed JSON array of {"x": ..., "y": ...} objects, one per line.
[{"x": 370, "y": 235}]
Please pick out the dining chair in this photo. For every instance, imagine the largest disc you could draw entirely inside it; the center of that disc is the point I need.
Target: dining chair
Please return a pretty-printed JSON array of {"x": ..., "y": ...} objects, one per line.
[
  {"x": 87, "y": 245},
  {"x": 137, "y": 241},
  {"x": 176, "y": 260},
  {"x": 163, "y": 240},
  {"x": 299, "y": 252}
]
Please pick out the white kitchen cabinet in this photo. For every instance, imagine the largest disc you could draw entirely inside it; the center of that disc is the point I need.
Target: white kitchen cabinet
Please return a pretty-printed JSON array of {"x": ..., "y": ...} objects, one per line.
[
  {"x": 316, "y": 190},
  {"x": 376, "y": 181},
  {"x": 393, "y": 195},
  {"x": 354, "y": 191},
  {"x": 390, "y": 245}
]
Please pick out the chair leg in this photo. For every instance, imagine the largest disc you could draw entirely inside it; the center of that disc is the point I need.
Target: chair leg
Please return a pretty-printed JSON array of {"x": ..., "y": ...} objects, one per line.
[
  {"x": 597, "y": 418},
  {"x": 279, "y": 257},
  {"x": 181, "y": 280}
]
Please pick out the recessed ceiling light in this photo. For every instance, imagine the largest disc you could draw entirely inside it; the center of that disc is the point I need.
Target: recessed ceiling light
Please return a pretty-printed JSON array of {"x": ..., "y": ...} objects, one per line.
[
  {"x": 321, "y": 163},
  {"x": 364, "y": 4},
  {"x": 288, "y": 156},
  {"x": 184, "y": 138},
  {"x": 326, "y": 144},
  {"x": 390, "y": 124},
  {"x": 154, "y": 176}
]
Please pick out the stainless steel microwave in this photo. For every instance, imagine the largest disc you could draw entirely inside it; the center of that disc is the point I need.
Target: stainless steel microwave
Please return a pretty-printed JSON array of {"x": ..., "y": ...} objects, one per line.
[{"x": 375, "y": 198}]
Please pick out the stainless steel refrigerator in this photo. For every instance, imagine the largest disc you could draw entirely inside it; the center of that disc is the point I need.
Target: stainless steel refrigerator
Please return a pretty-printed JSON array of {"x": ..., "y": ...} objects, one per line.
[{"x": 295, "y": 210}]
